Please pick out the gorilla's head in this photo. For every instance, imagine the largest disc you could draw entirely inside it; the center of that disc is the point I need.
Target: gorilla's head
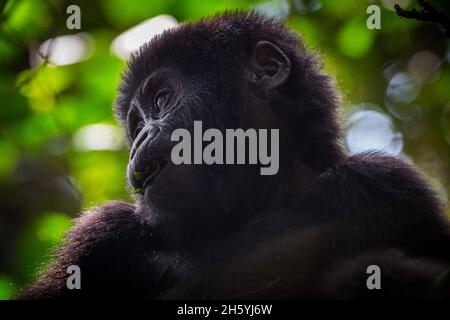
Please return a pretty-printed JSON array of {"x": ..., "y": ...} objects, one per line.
[{"x": 231, "y": 71}]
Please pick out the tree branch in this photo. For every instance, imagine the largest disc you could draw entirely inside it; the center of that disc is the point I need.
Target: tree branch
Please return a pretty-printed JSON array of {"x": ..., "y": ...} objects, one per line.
[{"x": 426, "y": 14}]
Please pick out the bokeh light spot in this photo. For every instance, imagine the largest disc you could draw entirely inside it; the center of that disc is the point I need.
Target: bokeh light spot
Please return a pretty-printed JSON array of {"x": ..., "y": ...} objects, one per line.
[
  {"x": 403, "y": 88},
  {"x": 51, "y": 227},
  {"x": 99, "y": 137},
  {"x": 275, "y": 8},
  {"x": 372, "y": 130},
  {"x": 424, "y": 66},
  {"x": 132, "y": 39},
  {"x": 354, "y": 39},
  {"x": 65, "y": 50}
]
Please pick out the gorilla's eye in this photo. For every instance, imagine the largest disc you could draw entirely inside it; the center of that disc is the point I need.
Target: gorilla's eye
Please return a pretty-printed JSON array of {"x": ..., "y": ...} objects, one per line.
[
  {"x": 139, "y": 127},
  {"x": 161, "y": 101}
]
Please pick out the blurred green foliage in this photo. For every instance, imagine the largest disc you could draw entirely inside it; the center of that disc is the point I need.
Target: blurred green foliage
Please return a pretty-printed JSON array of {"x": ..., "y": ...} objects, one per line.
[{"x": 45, "y": 179}]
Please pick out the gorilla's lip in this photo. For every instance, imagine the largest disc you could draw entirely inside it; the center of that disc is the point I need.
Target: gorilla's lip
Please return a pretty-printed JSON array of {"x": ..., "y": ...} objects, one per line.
[{"x": 146, "y": 178}]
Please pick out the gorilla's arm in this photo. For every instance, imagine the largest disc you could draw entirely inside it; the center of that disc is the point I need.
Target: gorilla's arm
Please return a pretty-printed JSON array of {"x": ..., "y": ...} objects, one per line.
[{"x": 109, "y": 243}]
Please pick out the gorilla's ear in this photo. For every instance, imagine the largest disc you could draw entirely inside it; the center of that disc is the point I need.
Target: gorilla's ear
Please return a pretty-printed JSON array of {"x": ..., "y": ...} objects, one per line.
[{"x": 269, "y": 67}]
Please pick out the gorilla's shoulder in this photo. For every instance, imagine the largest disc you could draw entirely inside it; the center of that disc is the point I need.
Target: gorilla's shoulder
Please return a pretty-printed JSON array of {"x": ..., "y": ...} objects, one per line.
[
  {"x": 376, "y": 182},
  {"x": 385, "y": 175},
  {"x": 114, "y": 218},
  {"x": 96, "y": 233},
  {"x": 110, "y": 210}
]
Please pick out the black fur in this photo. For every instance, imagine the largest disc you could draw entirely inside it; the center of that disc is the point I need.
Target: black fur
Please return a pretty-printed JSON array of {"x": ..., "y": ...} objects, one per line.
[{"x": 227, "y": 232}]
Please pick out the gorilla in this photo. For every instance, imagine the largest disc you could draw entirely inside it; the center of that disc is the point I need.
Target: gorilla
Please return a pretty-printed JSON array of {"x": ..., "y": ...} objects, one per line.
[{"x": 226, "y": 231}]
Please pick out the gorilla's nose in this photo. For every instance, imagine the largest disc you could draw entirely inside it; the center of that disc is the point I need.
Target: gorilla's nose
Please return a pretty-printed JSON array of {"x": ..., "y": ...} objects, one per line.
[
  {"x": 148, "y": 157},
  {"x": 147, "y": 134}
]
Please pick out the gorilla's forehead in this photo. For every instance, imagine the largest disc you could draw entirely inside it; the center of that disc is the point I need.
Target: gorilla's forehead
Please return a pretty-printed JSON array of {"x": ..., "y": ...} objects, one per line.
[
  {"x": 212, "y": 48},
  {"x": 215, "y": 40}
]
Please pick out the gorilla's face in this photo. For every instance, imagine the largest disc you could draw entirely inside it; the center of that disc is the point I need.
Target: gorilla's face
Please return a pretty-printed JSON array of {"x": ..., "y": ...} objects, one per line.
[
  {"x": 164, "y": 90},
  {"x": 163, "y": 103}
]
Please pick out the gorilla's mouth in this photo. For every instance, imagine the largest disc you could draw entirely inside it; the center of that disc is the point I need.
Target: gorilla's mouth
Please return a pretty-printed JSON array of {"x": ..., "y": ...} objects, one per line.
[{"x": 146, "y": 178}]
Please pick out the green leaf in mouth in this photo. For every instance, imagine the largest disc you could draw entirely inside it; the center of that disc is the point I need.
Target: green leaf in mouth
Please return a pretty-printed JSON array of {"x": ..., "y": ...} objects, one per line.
[
  {"x": 150, "y": 178},
  {"x": 139, "y": 176}
]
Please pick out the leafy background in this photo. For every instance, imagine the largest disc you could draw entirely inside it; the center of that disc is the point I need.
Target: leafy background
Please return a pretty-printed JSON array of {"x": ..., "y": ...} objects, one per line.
[{"x": 395, "y": 84}]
